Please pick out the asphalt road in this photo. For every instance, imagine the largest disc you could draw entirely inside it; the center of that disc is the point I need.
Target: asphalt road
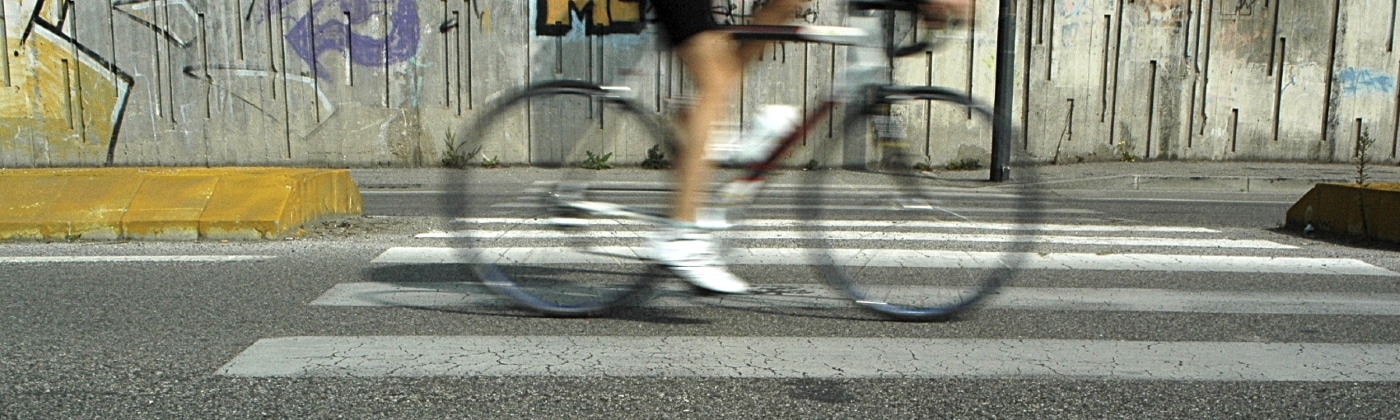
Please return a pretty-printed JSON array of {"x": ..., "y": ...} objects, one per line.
[{"x": 179, "y": 330}]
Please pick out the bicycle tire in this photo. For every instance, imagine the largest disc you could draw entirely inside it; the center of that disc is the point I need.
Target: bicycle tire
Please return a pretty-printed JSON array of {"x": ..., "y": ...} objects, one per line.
[
  {"x": 903, "y": 278},
  {"x": 592, "y": 263}
]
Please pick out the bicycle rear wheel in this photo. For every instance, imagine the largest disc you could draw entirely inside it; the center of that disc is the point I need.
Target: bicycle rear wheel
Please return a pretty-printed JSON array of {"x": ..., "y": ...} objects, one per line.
[
  {"x": 567, "y": 241},
  {"x": 896, "y": 238}
]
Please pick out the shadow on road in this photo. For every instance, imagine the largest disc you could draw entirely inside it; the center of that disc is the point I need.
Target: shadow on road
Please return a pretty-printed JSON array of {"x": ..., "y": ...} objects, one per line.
[{"x": 452, "y": 288}]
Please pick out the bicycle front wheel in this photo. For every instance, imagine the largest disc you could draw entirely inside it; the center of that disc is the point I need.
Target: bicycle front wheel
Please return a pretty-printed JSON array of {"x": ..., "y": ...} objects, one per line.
[
  {"x": 893, "y": 235},
  {"x": 561, "y": 237}
]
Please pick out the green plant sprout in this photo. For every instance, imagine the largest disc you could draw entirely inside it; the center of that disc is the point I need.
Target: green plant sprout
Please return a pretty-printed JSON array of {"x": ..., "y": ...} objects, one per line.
[
  {"x": 493, "y": 162},
  {"x": 1125, "y": 152},
  {"x": 451, "y": 157},
  {"x": 964, "y": 164},
  {"x": 925, "y": 165},
  {"x": 1363, "y": 157},
  {"x": 597, "y": 162},
  {"x": 656, "y": 159}
]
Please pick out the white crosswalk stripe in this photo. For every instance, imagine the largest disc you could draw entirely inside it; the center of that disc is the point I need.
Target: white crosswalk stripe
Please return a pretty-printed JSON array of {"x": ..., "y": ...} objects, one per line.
[
  {"x": 887, "y": 236},
  {"x": 810, "y": 357},
  {"x": 777, "y": 243},
  {"x": 886, "y": 224},
  {"x": 462, "y": 294},
  {"x": 960, "y": 210},
  {"x": 906, "y": 258}
]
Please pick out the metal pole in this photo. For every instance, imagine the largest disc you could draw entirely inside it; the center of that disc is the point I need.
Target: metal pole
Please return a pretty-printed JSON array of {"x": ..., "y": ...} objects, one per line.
[{"x": 1006, "y": 83}]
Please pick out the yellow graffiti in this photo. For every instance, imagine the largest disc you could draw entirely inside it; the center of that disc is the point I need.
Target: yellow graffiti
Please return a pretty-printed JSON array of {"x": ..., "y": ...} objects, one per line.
[
  {"x": 53, "y": 11},
  {"x": 60, "y": 102},
  {"x": 603, "y": 16}
]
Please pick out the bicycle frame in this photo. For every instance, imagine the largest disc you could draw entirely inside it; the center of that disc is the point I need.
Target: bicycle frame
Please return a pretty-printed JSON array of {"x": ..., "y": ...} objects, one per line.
[{"x": 868, "y": 59}]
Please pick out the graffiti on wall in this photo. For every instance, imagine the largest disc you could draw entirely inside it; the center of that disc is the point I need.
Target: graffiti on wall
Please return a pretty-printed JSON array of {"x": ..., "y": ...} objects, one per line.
[
  {"x": 731, "y": 13},
  {"x": 600, "y": 17},
  {"x": 60, "y": 99},
  {"x": 1240, "y": 8},
  {"x": 371, "y": 33},
  {"x": 1169, "y": 13},
  {"x": 64, "y": 102},
  {"x": 174, "y": 20},
  {"x": 1361, "y": 82}
]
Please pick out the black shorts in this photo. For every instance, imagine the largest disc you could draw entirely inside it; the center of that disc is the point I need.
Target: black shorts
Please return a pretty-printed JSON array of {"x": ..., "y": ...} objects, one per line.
[{"x": 683, "y": 19}]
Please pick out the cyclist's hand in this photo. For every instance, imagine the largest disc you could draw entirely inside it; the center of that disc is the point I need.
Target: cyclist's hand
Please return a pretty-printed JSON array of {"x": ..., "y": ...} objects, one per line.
[{"x": 939, "y": 14}]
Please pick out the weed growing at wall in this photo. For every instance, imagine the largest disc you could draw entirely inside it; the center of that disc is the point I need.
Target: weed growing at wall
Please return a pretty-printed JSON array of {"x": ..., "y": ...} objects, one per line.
[
  {"x": 452, "y": 156},
  {"x": 1125, "y": 152},
  {"x": 493, "y": 162},
  {"x": 597, "y": 162},
  {"x": 925, "y": 165},
  {"x": 1363, "y": 157},
  {"x": 964, "y": 164},
  {"x": 1363, "y": 178},
  {"x": 656, "y": 159}
]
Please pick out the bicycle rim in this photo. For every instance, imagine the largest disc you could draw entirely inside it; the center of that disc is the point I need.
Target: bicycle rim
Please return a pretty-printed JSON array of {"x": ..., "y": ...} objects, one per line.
[
  {"x": 543, "y": 241},
  {"x": 898, "y": 239}
]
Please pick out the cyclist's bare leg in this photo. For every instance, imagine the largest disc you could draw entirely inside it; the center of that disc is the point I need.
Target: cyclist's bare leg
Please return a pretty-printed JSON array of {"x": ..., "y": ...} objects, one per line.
[
  {"x": 691, "y": 253},
  {"x": 716, "y": 69},
  {"x": 716, "y": 63}
]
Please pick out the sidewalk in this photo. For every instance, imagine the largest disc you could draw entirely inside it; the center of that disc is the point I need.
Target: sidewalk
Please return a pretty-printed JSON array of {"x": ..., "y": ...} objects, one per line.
[
  {"x": 1145, "y": 176},
  {"x": 245, "y": 203},
  {"x": 1276, "y": 177}
]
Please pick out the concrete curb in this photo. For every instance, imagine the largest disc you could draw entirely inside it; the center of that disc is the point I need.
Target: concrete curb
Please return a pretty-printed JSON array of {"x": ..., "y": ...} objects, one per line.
[
  {"x": 1338, "y": 208},
  {"x": 170, "y": 203},
  {"x": 1149, "y": 182}
]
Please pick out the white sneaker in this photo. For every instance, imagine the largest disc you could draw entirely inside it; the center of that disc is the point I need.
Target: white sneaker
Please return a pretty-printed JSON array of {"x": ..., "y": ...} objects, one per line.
[{"x": 692, "y": 255}]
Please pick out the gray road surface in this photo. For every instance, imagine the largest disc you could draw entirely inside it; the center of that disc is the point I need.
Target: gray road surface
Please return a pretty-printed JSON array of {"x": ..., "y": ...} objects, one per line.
[{"x": 331, "y": 324}]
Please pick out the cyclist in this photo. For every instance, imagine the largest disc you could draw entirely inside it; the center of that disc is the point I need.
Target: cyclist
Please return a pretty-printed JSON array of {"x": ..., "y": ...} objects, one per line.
[{"x": 716, "y": 63}]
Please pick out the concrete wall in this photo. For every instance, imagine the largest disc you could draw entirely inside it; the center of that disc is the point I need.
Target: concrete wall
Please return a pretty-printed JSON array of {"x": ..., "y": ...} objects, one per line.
[
  {"x": 382, "y": 82},
  {"x": 1209, "y": 79}
]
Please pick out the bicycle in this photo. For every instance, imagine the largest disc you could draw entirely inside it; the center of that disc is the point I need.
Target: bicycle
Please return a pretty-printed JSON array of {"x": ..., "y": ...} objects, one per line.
[{"x": 604, "y": 265}]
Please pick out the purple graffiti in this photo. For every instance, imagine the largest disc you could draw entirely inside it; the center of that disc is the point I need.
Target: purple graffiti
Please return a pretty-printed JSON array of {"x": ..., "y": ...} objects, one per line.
[{"x": 353, "y": 27}]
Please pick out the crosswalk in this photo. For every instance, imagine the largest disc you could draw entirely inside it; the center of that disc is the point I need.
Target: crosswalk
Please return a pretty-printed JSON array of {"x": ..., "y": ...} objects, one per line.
[{"x": 1063, "y": 253}]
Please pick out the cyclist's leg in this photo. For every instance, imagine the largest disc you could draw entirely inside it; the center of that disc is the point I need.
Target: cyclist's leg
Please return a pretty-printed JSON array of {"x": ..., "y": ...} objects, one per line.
[
  {"x": 691, "y": 253},
  {"x": 716, "y": 63},
  {"x": 716, "y": 70}
]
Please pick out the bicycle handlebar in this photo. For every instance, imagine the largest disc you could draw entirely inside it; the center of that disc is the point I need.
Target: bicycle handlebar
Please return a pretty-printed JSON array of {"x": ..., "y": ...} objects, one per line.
[
  {"x": 842, "y": 35},
  {"x": 911, "y": 6}
]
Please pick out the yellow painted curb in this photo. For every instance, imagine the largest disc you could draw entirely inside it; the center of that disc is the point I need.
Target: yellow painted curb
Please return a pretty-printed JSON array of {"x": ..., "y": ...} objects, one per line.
[
  {"x": 1338, "y": 208},
  {"x": 170, "y": 203}
]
